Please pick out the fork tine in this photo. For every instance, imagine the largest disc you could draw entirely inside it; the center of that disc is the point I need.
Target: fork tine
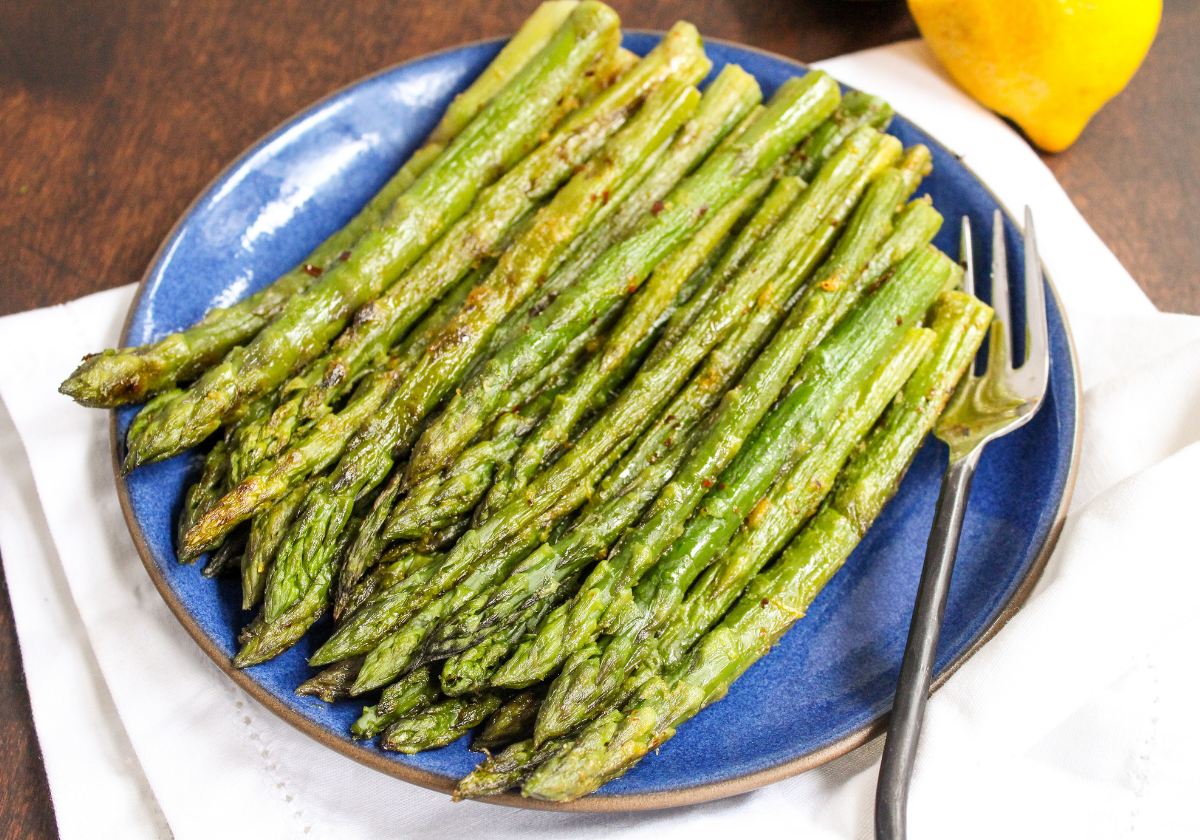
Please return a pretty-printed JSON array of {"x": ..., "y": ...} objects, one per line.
[
  {"x": 966, "y": 256},
  {"x": 1037, "y": 346},
  {"x": 1000, "y": 289}
]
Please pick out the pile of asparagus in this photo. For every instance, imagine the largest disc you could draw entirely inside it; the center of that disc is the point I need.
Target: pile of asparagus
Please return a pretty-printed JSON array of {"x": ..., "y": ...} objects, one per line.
[{"x": 571, "y": 423}]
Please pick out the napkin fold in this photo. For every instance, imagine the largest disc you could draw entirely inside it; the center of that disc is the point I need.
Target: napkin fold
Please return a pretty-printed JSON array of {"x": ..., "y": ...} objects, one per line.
[{"x": 1074, "y": 721}]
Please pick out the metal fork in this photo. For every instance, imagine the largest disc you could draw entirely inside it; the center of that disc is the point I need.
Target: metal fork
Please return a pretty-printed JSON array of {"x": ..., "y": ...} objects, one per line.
[{"x": 982, "y": 409}]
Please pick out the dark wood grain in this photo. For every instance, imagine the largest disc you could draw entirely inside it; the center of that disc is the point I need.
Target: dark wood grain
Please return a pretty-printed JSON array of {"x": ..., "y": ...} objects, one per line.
[
  {"x": 115, "y": 114},
  {"x": 1135, "y": 172}
]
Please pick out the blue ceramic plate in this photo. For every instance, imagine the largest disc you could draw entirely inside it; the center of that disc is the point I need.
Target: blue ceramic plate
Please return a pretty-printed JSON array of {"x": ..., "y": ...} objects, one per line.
[{"x": 828, "y": 686}]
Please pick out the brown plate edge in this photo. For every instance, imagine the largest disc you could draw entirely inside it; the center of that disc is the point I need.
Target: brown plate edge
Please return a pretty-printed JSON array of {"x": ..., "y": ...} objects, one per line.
[{"x": 640, "y": 802}]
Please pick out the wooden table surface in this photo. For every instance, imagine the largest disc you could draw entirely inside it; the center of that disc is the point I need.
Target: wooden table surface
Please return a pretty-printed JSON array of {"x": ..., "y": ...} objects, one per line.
[{"x": 115, "y": 114}]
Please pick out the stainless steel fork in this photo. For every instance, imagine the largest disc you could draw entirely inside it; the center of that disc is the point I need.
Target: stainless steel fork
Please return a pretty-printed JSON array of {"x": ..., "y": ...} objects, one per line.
[{"x": 982, "y": 409}]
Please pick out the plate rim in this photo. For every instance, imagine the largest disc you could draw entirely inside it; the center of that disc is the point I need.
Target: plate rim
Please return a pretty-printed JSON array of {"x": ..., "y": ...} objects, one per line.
[{"x": 589, "y": 804}]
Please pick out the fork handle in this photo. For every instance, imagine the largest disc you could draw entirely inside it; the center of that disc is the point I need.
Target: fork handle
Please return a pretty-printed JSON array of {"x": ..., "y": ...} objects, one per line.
[{"x": 916, "y": 671}]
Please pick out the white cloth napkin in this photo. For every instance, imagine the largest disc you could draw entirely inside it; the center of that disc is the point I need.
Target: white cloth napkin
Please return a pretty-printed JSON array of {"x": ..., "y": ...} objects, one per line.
[{"x": 1075, "y": 721}]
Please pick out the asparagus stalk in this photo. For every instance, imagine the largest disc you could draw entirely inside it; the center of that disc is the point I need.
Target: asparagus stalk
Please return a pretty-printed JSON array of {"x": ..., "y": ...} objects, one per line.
[
  {"x": 530, "y": 104},
  {"x": 661, "y": 173},
  {"x": 367, "y": 630},
  {"x": 783, "y": 195},
  {"x": 412, "y": 644},
  {"x": 371, "y": 623},
  {"x": 367, "y": 547},
  {"x": 318, "y": 449},
  {"x": 444, "y": 539},
  {"x": 129, "y": 375},
  {"x": 462, "y": 487},
  {"x": 206, "y": 492},
  {"x": 821, "y": 385},
  {"x": 637, "y": 321},
  {"x": 518, "y": 271},
  {"x": 855, "y": 266},
  {"x": 266, "y": 533},
  {"x": 409, "y": 695},
  {"x": 729, "y": 361},
  {"x": 830, "y": 196},
  {"x": 577, "y": 695},
  {"x": 439, "y": 725},
  {"x": 392, "y": 626},
  {"x": 369, "y": 394},
  {"x": 399, "y": 601},
  {"x": 533, "y": 35},
  {"x": 481, "y": 469},
  {"x": 573, "y": 262},
  {"x": 515, "y": 277},
  {"x": 695, "y": 141},
  {"x": 266, "y": 638},
  {"x": 517, "y": 762},
  {"x": 842, "y": 279},
  {"x": 397, "y": 648},
  {"x": 505, "y": 481},
  {"x": 437, "y": 504},
  {"x": 799, "y": 106},
  {"x": 774, "y": 523},
  {"x": 677, "y": 61},
  {"x": 543, "y": 573},
  {"x": 468, "y": 670},
  {"x": 258, "y": 441},
  {"x": 562, "y": 488},
  {"x": 333, "y": 683},
  {"x": 569, "y": 631},
  {"x": 778, "y": 597},
  {"x": 249, "y": 415},
  {"x": 290, "y": 575},
  {"x": 394, "y": 566},
  {"x": 401, "y": 648},
  {"x": 857, "y": 109},
  {"x": 512, "y": 722},
  {"x": 487, "y": 223},
  {"x": 510, "y": 768},
  {"x": 227, "y": 557},
  {"x": 369, "y": 463},
  {"x": 650, "y": 446},
  {"x": 796, "y": 108}
]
